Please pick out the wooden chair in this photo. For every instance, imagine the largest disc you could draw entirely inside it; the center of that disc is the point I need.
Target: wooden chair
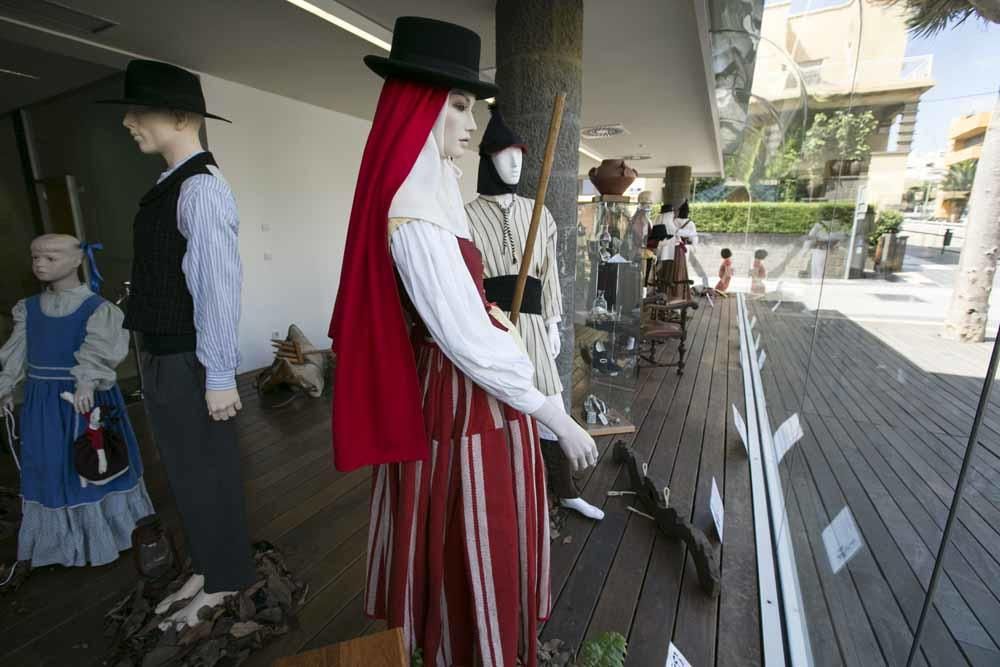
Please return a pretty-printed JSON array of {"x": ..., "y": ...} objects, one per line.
[
  {"x": 384, "y": 649},
  {"x": 665, "y": 313}
]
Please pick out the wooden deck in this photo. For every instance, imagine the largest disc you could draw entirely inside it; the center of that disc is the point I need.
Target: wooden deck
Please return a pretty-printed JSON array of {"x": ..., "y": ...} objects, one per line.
[
  {"x": 885, "y": 438},
  {"x": 615, "y": 575}
]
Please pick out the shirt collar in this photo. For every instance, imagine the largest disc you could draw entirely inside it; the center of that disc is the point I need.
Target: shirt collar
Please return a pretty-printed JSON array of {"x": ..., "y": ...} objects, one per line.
[{"x": 177, "y": 166}]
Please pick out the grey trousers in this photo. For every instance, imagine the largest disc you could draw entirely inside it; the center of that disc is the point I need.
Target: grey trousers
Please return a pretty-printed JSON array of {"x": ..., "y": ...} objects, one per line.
[
  {"x": 202, "y": 459},
  {"x": 559, "y": 474}
]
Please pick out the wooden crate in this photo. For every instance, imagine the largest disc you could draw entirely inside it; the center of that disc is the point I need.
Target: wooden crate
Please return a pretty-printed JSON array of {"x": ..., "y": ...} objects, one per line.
[{"x": 384, "y": 649}]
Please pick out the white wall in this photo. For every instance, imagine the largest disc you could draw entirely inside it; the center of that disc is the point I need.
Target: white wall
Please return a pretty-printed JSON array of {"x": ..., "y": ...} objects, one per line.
[{"x": 293, "y": 167}]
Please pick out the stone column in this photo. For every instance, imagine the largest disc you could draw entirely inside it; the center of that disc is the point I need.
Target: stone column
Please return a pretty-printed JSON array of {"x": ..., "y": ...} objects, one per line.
[
  {"x": 539, "y": 47},
  {"x": 676, "y": 185}
]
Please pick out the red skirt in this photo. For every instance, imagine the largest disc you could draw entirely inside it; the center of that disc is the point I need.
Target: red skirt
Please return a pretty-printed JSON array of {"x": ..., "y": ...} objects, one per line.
[{"x": 458, "y": 545}]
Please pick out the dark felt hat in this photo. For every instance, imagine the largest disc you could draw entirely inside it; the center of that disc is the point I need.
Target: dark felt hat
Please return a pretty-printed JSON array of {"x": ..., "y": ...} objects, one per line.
[
  {"x": 149, "y": 83},
  {"x": 433, "y": 52}
]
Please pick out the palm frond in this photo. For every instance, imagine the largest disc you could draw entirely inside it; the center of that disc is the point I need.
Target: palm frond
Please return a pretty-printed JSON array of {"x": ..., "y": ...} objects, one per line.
[{"x": 929, "y": 17}]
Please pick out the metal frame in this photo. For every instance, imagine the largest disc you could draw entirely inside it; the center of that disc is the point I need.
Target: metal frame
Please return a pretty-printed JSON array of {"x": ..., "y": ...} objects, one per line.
[{"x": 772, "y": 632}]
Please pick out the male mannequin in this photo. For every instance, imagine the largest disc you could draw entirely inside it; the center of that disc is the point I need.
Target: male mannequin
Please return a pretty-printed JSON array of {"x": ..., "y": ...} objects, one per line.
[
  {"x": 499, "y": 220},
  {"x": 185, "y": 304}
]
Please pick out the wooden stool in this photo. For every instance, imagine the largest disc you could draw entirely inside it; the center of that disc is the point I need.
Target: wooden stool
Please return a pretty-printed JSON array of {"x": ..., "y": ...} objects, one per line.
[{"x": 384, "y": 649}]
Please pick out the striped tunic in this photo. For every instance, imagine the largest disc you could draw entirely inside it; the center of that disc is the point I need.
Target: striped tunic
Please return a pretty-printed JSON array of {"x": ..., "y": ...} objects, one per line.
[{"x": 486, "y": 225}]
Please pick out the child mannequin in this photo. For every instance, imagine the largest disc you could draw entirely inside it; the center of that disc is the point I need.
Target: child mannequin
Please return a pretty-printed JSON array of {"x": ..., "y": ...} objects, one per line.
[
  {"x": 758, "y": 274},
  {"x": 68, "y": 339},
  {"x": 725, "y": 272}
]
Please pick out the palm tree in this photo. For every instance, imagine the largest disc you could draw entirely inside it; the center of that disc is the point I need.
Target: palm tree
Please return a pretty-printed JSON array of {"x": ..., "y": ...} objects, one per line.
[
  {"x": 960, "y": 176},
  {"x": 928, "y": 17},
  {"x": 970, "y": 298}
]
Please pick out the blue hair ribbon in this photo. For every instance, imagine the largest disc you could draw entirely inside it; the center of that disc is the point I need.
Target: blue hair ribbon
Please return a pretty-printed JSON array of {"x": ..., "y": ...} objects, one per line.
[{"x": 95, "y": 276}]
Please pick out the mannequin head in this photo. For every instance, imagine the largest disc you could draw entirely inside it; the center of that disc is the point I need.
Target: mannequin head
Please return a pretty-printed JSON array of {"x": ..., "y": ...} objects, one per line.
[
  {"x": 56, "y": 259},
  {"x": 458, "y": 123},
  {"x": 508, "y": 164},
  {"x": 172, "y": 134}
]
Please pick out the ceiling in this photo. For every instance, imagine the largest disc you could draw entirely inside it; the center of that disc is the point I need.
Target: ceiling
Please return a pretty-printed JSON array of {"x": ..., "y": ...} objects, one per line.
[
  {"x": 645, "y": 61},
  {"x": 29, "y": 75}
]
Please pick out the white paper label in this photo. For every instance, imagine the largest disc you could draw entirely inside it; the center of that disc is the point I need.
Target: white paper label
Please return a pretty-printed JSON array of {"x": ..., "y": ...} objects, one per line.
[
  {"x": 774, "y": 308},
  {"x": 741, "y": 428},
  {"x": 753, "y": 322},
  {"x": 756, "y": 342},
  {"x": 716, "y": 506},
  {"x": 842, "y": 540},
  {"x": 675, "y": 658},
  {"x": 787, "y": 435},
  {"x": 761, "y": 359}
]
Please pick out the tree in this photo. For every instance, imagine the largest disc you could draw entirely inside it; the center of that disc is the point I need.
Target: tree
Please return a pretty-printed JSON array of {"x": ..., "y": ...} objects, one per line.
[
  {"x": 928, "y": 17},
  {"x": 960, "y": 176},
  {"x": 970, "y": 298}
]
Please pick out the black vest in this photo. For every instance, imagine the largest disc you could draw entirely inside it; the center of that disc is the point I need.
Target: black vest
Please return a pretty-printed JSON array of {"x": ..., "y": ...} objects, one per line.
[{"x": 160, "y": 303}]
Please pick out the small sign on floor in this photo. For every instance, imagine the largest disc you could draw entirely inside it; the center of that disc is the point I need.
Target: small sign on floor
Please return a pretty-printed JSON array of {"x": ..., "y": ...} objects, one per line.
[
  {"x": 753, "y": 322},
  {"x": 741, "y": 428},
  {"x": 760, "y": 359},
  {"x": 715, "y": 504},
  {"x": 842, "y": 540},
  {"x": 787, "y": 435},
  {"x": 675, "y": 658}
]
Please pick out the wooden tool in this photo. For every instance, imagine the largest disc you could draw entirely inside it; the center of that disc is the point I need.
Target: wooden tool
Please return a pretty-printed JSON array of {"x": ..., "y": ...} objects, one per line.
[
  {"x": 536, "y": 213},
  {"x": 653, "y": 500}
]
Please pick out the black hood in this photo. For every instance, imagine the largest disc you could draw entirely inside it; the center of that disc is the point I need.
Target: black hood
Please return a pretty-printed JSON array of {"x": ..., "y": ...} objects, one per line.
[{"x": 496, "y": 138}]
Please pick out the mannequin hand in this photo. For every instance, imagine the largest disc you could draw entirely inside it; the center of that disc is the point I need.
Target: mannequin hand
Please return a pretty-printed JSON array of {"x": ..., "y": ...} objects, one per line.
[
  {"x": 83, "y": 399},
  {"x": 555, "y": 342},
  {"x": 576, "y": 443},
  {"x": 223, "y": 404},
  {"x": 7, "y": 402}
]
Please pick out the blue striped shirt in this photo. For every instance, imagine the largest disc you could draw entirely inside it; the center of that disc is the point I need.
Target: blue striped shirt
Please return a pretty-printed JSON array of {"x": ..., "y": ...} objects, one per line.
[{"x": 208, "y": 219}]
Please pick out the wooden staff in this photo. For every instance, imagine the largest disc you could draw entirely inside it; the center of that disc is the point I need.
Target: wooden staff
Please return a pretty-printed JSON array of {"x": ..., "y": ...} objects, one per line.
[{"x": 536, "y": 213}]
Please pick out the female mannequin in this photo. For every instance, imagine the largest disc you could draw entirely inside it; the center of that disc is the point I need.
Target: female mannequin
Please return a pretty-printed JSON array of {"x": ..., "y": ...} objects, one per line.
[
  {"x": 458, "y": 538},
  {"x": 68, "y": 339}
]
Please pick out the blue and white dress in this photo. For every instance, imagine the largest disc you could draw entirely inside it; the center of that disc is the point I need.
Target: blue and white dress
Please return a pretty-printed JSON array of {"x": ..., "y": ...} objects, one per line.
[{"x": 62, "y": 338}]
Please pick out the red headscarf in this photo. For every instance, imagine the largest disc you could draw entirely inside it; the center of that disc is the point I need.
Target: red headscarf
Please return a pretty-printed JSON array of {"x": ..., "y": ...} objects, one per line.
[{"x": 377, "y": 415}]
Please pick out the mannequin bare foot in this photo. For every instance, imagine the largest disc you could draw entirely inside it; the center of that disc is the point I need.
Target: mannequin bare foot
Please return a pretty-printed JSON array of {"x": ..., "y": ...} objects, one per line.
[
  {"x": 583, "y": 507},
  {"x": 189, "y": 614},
  {"x": 190, "y": 588}
]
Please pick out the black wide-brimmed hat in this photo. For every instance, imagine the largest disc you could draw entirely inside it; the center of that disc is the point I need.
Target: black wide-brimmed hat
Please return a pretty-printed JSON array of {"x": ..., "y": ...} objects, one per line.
[
  {"x": 433, "y": 52},
  {"x": 149, "y": 83}
]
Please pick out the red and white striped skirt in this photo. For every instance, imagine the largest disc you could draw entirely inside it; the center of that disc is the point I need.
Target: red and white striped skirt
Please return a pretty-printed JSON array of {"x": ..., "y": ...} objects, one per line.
[{"x": 458, "y": 545}]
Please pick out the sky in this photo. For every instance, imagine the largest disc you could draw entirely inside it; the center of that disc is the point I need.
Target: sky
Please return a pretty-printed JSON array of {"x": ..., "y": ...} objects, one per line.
[{"x": 966, "y": 72}]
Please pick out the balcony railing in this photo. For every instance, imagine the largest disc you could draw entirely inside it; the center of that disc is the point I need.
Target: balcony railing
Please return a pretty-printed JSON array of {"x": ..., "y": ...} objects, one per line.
[{"x": 775, "y": 78}]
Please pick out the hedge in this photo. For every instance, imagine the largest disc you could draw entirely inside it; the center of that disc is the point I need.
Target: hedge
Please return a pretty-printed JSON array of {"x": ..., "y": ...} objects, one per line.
[{"x": 768, "y": 217}]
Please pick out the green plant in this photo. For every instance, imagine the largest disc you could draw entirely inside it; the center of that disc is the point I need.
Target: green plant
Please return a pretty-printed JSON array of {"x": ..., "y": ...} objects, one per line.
[
  {"x": 417, "y": 659},
  {"x": 842, "y": 136},
  {"x": 889, "y": 222},
  {"x": 927, "y": 17},
  {"x": 960, "y": 176},
  {"x": 851, "y": 132},
  {"x": 607, "y": 650},
  {"x": 768, "y": 217}
]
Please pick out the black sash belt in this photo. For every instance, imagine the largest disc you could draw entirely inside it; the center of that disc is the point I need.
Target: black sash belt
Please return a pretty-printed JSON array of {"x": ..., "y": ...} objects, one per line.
[
  {"x": 500, "y": 290},
  {"x": 160, "y": 346}
]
